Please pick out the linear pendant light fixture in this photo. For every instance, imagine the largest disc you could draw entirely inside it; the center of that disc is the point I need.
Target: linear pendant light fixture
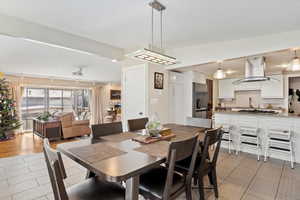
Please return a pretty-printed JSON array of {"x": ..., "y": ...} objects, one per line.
[{"x": 151, "y": 55}]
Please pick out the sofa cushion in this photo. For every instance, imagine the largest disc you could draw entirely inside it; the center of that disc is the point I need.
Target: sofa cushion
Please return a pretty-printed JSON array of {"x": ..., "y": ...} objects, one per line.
[{"x": 81, "y": 122}]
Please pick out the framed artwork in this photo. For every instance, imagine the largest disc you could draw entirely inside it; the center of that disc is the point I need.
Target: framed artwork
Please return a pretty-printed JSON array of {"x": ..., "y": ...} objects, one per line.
[
  {"x": 158, "y": 80},
  {"x": 115, "y": 94}
]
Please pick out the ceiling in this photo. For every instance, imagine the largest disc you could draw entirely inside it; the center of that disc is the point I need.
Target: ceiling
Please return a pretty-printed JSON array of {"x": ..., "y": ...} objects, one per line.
[
  {"x": 126, "y": 25},
  {"x": 22, "y": 57},
  {"x": 275, "y": 62}
]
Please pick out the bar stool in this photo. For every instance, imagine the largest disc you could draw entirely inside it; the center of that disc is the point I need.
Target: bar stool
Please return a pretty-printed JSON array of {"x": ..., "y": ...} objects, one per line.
[
  {"x": 227, "y": 135},
  {"x": 280, "y": 140},
  {"x": 249, "y": 136}
]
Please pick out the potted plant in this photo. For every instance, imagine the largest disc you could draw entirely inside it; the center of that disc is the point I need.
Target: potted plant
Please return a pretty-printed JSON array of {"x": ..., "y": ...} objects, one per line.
[
  {"x": 154, "y": 126},
  {"x": 45, "y": 116}
]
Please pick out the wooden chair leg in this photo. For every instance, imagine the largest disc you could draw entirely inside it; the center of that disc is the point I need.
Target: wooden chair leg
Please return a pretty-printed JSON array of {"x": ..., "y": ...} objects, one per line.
[
  {"x": 201, "y": 188},
  {"x": 215, "y": 183},
  {"x": 195, "y": 179},
  {"x": 188, "y": 191},
  {"x": 210, "y": 177}
]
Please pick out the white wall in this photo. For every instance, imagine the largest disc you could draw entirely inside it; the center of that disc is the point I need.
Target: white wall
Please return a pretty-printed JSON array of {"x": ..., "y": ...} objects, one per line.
[
  {"x": 158, "y": 99},
  {"x": 189, "y": 78},
  {"x": 176, "y": 98},
  {"x": 188, "y": 94},
  {"x": 106, "y": 101}
]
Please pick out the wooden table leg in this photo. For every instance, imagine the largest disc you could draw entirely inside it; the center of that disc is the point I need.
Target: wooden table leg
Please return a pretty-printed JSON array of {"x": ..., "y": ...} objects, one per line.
[{"x": 132, "y": 188}]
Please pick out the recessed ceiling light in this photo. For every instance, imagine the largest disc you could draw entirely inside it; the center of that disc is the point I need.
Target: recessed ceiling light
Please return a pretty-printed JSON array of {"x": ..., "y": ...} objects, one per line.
[{"x": 114, "y": 60}]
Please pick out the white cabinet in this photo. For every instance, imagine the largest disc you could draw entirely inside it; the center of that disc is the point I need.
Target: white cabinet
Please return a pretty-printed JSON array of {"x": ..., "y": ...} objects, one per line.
[
  {"x": 226, "y": 88},
  {"x": 248, "y": 86},
  {"x": 273, "y": 88}
]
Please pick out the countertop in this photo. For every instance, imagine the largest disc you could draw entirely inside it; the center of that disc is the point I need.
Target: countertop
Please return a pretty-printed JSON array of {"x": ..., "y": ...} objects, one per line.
[
  {"x": 241, "y": 108},
  {"x": 292, "y": 115}
]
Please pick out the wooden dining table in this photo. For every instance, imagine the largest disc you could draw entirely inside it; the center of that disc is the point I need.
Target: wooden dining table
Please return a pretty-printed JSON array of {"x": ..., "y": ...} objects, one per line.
[{"x": 119, "y": 158}]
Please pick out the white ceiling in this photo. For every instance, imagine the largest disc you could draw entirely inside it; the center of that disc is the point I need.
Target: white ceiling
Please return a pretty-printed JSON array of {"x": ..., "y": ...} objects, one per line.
[
  {"x": 126, "y": 24},
  {"x": 278, "y": 61},
  {"x": 18, "y": 56}
]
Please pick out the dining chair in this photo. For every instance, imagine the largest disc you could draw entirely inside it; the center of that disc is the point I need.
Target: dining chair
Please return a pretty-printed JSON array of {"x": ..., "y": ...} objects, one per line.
[
  {"x": 89, "y": 189},
  {"x": 163, "y": 183},
  {"x": 137, "y": 124},
  {"x": 99, "y": 130},
  {"x": 205, "y": 164}
]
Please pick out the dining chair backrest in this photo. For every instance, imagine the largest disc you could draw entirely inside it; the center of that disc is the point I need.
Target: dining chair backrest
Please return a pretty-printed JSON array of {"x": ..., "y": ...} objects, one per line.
[
  {"x": 212, "y": 137},
  {"x": 137, "y": 124},
  {"x": 99, "y": 130},
  {"x": 181, "y": 150},
  {"x": 56, "y": 171}
]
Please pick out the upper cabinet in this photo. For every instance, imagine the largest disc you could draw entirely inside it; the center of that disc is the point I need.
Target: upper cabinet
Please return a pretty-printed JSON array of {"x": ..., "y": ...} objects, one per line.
[
  {"x": 273, "y": 89},
  {"x": 226, "y": 88}
]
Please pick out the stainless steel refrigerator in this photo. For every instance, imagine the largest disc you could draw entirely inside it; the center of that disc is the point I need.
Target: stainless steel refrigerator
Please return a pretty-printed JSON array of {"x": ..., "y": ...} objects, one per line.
[{"x": 200, "y": 100}]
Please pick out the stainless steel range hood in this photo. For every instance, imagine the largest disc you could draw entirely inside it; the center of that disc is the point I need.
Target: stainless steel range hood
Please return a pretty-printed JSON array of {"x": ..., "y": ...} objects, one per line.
[{"x": 254, "y": 70}]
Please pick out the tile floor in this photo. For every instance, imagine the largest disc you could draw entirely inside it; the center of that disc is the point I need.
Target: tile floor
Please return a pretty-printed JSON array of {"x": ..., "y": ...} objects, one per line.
[{"x": 240, "y": 177}]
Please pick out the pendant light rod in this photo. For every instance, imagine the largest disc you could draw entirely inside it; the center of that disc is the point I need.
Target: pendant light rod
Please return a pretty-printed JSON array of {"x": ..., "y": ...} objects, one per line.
[
  {"x": 152, "y": 55},
  {"x": 160, "y": 8},
  {"x": 161, "y": 29},
  {"x": 152, "y": 29}
]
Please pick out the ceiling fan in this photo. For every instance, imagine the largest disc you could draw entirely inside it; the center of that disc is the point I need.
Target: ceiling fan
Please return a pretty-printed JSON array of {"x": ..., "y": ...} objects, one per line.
[{"x": 78, "y": 72}]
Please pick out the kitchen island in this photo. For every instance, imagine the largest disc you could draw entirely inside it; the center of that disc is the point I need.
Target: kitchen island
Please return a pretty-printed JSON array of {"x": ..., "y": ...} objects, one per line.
[{"x": 264, "y": 122}]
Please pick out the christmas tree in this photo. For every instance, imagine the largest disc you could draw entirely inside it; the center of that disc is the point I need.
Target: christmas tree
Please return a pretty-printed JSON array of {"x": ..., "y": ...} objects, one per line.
[{"x": 8, "y": 117}]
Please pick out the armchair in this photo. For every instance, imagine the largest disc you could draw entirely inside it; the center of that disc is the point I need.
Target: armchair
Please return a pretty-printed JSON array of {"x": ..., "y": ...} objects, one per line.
[{"x": 72, "y": 127}]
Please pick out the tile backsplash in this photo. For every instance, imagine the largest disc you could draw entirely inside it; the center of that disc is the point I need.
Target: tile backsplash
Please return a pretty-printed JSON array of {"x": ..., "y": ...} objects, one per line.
[{"x": 242, "y": 100}]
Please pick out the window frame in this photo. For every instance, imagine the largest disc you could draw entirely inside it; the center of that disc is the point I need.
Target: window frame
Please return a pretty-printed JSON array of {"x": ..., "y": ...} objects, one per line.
[{"x": 75, "y": 94}]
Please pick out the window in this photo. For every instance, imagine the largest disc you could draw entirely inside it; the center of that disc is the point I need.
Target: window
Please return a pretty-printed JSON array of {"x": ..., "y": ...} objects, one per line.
[
  {"x": 67, "y": 101},
  {"x": 33, "y": 103},
  {"x": 55, "y": 100},
  {"x": 37, "y": 100}
]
